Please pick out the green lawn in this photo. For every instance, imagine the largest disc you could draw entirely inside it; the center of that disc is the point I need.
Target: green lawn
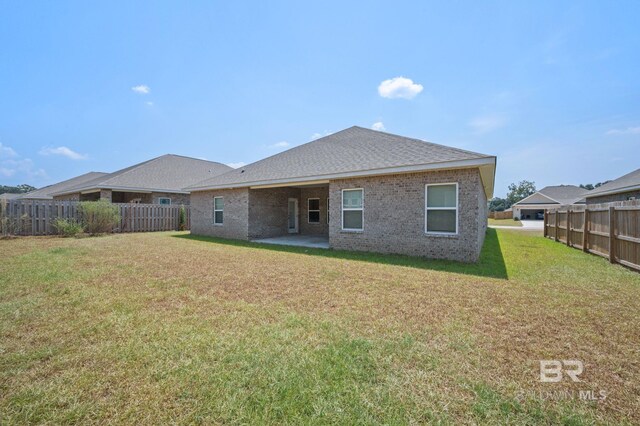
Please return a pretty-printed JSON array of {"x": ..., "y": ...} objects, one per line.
[
  {"x": 166, "y": 328},
  {"x": 504, "y": 222}
]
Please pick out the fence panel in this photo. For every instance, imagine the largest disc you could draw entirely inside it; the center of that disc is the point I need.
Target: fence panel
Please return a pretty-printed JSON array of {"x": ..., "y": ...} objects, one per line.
[
  {"x": 611, "y": 230},
  {"x": 36, "y": 217}
]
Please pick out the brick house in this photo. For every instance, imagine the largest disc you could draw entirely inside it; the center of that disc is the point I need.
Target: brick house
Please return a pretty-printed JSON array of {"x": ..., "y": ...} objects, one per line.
[
  {"x": 356, "y": 189},
  {"x": 624, "y": 188},
  {"x": 46, "y": 193},
  {"x": 549, "y": 197},
  {"x": 160, "y": 180}
]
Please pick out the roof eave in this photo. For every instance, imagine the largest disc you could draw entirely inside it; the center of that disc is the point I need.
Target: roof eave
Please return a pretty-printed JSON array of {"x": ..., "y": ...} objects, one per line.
[
  {"x": 120, "y": 188},
  {"x": 486, "y": 164},
  {"x": 614, "y": 191}
]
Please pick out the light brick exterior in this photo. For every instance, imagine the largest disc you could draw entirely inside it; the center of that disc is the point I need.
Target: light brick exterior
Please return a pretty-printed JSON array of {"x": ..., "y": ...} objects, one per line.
[
  {"x": 268, "y": 211},
  {"x": 624, "y": 196},
  {"x": 394, "y": 214},
  {"x": 307, "y": 228},
  {"x": 236, "y": 214}
]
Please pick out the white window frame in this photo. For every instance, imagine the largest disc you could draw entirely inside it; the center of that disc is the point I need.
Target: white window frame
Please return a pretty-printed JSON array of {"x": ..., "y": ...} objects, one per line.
[
  {"x": 164, "y": 198},
  {"x": 427, "y": 208},
  {"x": 328, "y": 204},
  {"x": 309, "y": 211},
  {"x": 218, "y": 210},
  {"x": 351, "y": 209}
]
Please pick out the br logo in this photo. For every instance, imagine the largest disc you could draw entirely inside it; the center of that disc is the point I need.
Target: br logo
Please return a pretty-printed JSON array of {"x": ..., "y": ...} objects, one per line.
[{"x": 552, "y": 371}]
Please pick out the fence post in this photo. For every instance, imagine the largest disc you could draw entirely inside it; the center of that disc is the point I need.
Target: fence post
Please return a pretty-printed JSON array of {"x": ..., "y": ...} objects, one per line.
[
  {"x": 612, "y": 234},
  {"x": 555, "y": 226},
  {"x": 544, "y": 230},
  {"x": 585, "y": 231},
  {"x": 569, "y": 227}
]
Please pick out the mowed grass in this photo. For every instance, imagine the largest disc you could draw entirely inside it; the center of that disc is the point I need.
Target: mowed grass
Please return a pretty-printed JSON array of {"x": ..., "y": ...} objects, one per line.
[
  {"x": 166, "y": 328},
  {"x": 504, "y": 222}
]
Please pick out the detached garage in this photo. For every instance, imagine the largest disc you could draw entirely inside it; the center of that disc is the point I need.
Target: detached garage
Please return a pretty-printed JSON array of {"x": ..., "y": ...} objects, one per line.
[{"x": 549, "y": 197}]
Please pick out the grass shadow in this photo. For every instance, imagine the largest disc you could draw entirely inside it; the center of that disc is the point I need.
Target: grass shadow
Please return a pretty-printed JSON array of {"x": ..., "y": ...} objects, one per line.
[{"x": 491, "y": 263}]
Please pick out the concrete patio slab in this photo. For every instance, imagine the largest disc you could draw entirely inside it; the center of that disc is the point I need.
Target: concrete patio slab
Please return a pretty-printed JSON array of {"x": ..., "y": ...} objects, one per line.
[{"x": 312, "y": 241}]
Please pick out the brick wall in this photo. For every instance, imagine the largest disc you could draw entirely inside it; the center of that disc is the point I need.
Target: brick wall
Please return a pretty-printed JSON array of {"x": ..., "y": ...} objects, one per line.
[
  {"x": 307, "y": 228},
  {"x": 614, "y": 197},
  {"x": 268, "y": 209},
  {"x": 176, "y": 199},
  {"x": 236, "y": 213},
  {"x": 394, "y": 216}
]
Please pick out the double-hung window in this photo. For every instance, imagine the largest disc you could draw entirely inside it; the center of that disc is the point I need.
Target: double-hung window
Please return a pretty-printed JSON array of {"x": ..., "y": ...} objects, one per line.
[
  {"x": 164, "y": 201},
  {"x": 218, "y": 210},
  {"x": 313, "y": 210},
  {"x": 352, "y": 209},
  {"x": 441, "y": 208}
]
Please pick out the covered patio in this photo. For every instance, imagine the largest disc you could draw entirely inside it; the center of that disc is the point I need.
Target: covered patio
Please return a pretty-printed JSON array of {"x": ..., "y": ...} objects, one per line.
[{"x": 311, "y": 241}]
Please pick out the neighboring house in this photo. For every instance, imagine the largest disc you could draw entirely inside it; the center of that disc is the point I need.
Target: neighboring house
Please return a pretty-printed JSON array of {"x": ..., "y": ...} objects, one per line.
[
  {"x": 358, "y": 189},
  {"x": 46, "y": 193},
  {"x": 9, "y": 196},
  {"x": 160, "y": 180},
  {"x": 549, "y": 197},
  {"x": 624, "y": 188}
]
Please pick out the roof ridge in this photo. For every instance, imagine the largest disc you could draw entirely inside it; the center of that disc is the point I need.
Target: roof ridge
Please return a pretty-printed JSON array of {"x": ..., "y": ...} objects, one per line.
[
  {"x": 192, "y": 158},
  {"x": 421, "y": 140}
]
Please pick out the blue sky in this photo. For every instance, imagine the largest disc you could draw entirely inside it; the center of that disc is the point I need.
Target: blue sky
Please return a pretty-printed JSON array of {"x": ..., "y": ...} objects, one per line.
[{"x": 551, "y": 88}]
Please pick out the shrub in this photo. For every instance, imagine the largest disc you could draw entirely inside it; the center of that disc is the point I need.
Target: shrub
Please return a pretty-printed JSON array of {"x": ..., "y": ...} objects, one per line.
[
  {"x": 67, "y": 227},
  {"x": 182, "y": 218},
  {"x": 99, "y": 217}
]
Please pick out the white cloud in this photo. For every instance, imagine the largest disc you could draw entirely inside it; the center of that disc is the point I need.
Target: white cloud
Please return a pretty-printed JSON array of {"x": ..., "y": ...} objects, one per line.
[
  {"x": 149, "y": 103},
  {"x": 64, "y": 151},
  {"x": 379, "y": 126},
  {"x": 627, "y": 131},
  {"x": 282, "y": 144},
  {"x": 318, "y": 135},
  {"x": 399, "y": 87},
  {"x": 141, "y": 89},
  {"x": 25, "y": 167},
  {"x": 487, "y": 123},
  {"x": 7, "y": 152},
  {"x": 237, "y": 165}
]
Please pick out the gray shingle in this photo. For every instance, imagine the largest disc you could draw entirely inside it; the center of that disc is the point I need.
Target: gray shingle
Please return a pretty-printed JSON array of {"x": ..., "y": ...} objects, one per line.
[
  {"x": 168, "y": 173},
  {"x": 628, "y": 181},
  {"x": 564, "y": 194},
  {"x": 46, "y": 193},
  {"x": 354, "y": 149}
]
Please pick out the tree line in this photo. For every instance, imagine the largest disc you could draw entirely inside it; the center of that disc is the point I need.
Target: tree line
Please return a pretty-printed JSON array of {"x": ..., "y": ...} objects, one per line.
[{"x": 20, "y": 189}]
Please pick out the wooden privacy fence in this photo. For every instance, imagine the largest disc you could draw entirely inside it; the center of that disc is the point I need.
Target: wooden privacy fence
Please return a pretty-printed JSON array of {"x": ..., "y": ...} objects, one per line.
[
  {"x": 610, "y": 230},
  {"x": 28, "y": 217},
  {"x": 507, "y": 214}
]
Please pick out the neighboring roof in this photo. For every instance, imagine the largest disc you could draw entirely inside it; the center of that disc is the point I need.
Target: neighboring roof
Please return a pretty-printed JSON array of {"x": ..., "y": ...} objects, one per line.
[
  {"x": 46, "y": 193},
  {"x": 10, "y": 196},
  {"x": 352, "y": 152},
  {"x": 560, "y": 194},
  {"x": 626, "y": 183},
  {"x": 168, "y": 173}
]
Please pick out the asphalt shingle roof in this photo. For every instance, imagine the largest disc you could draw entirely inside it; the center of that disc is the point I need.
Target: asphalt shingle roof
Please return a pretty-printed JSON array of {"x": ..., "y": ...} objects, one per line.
[
  {"x": 564, "y": 194},
  {"x": 46, "y": 193},
  {"x": 628, "y": 181},
  {"x": 351, "y": 150},
  {"x": 170, "y": 173}
]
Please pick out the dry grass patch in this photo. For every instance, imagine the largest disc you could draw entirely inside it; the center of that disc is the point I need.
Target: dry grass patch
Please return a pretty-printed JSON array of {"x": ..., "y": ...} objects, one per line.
[{"x": 167, "y": 328}]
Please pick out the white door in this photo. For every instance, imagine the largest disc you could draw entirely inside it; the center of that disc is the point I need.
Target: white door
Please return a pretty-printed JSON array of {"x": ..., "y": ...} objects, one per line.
[{"x": 292, "y": 218}]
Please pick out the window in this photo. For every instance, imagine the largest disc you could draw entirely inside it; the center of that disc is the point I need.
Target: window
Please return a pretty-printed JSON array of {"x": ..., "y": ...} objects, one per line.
[
  {"x": 218, "y": 210},
  {"x": 313, "y": 210},
  {"x": 328, "y": 211},
  {"x": 352, "y": 209},
  {"x": 631, "y": 198},
  {"x": 164, "y": 200},
  {"x": 441, "y": 208}
]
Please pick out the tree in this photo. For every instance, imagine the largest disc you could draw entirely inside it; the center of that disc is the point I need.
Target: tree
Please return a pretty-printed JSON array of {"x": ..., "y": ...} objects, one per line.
[
  {"x": 20, "y": 189},
  {"x": 520, "y": 191},
  {"x": 498, "y": 204},
  {"x": 591, "y": 186}
]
